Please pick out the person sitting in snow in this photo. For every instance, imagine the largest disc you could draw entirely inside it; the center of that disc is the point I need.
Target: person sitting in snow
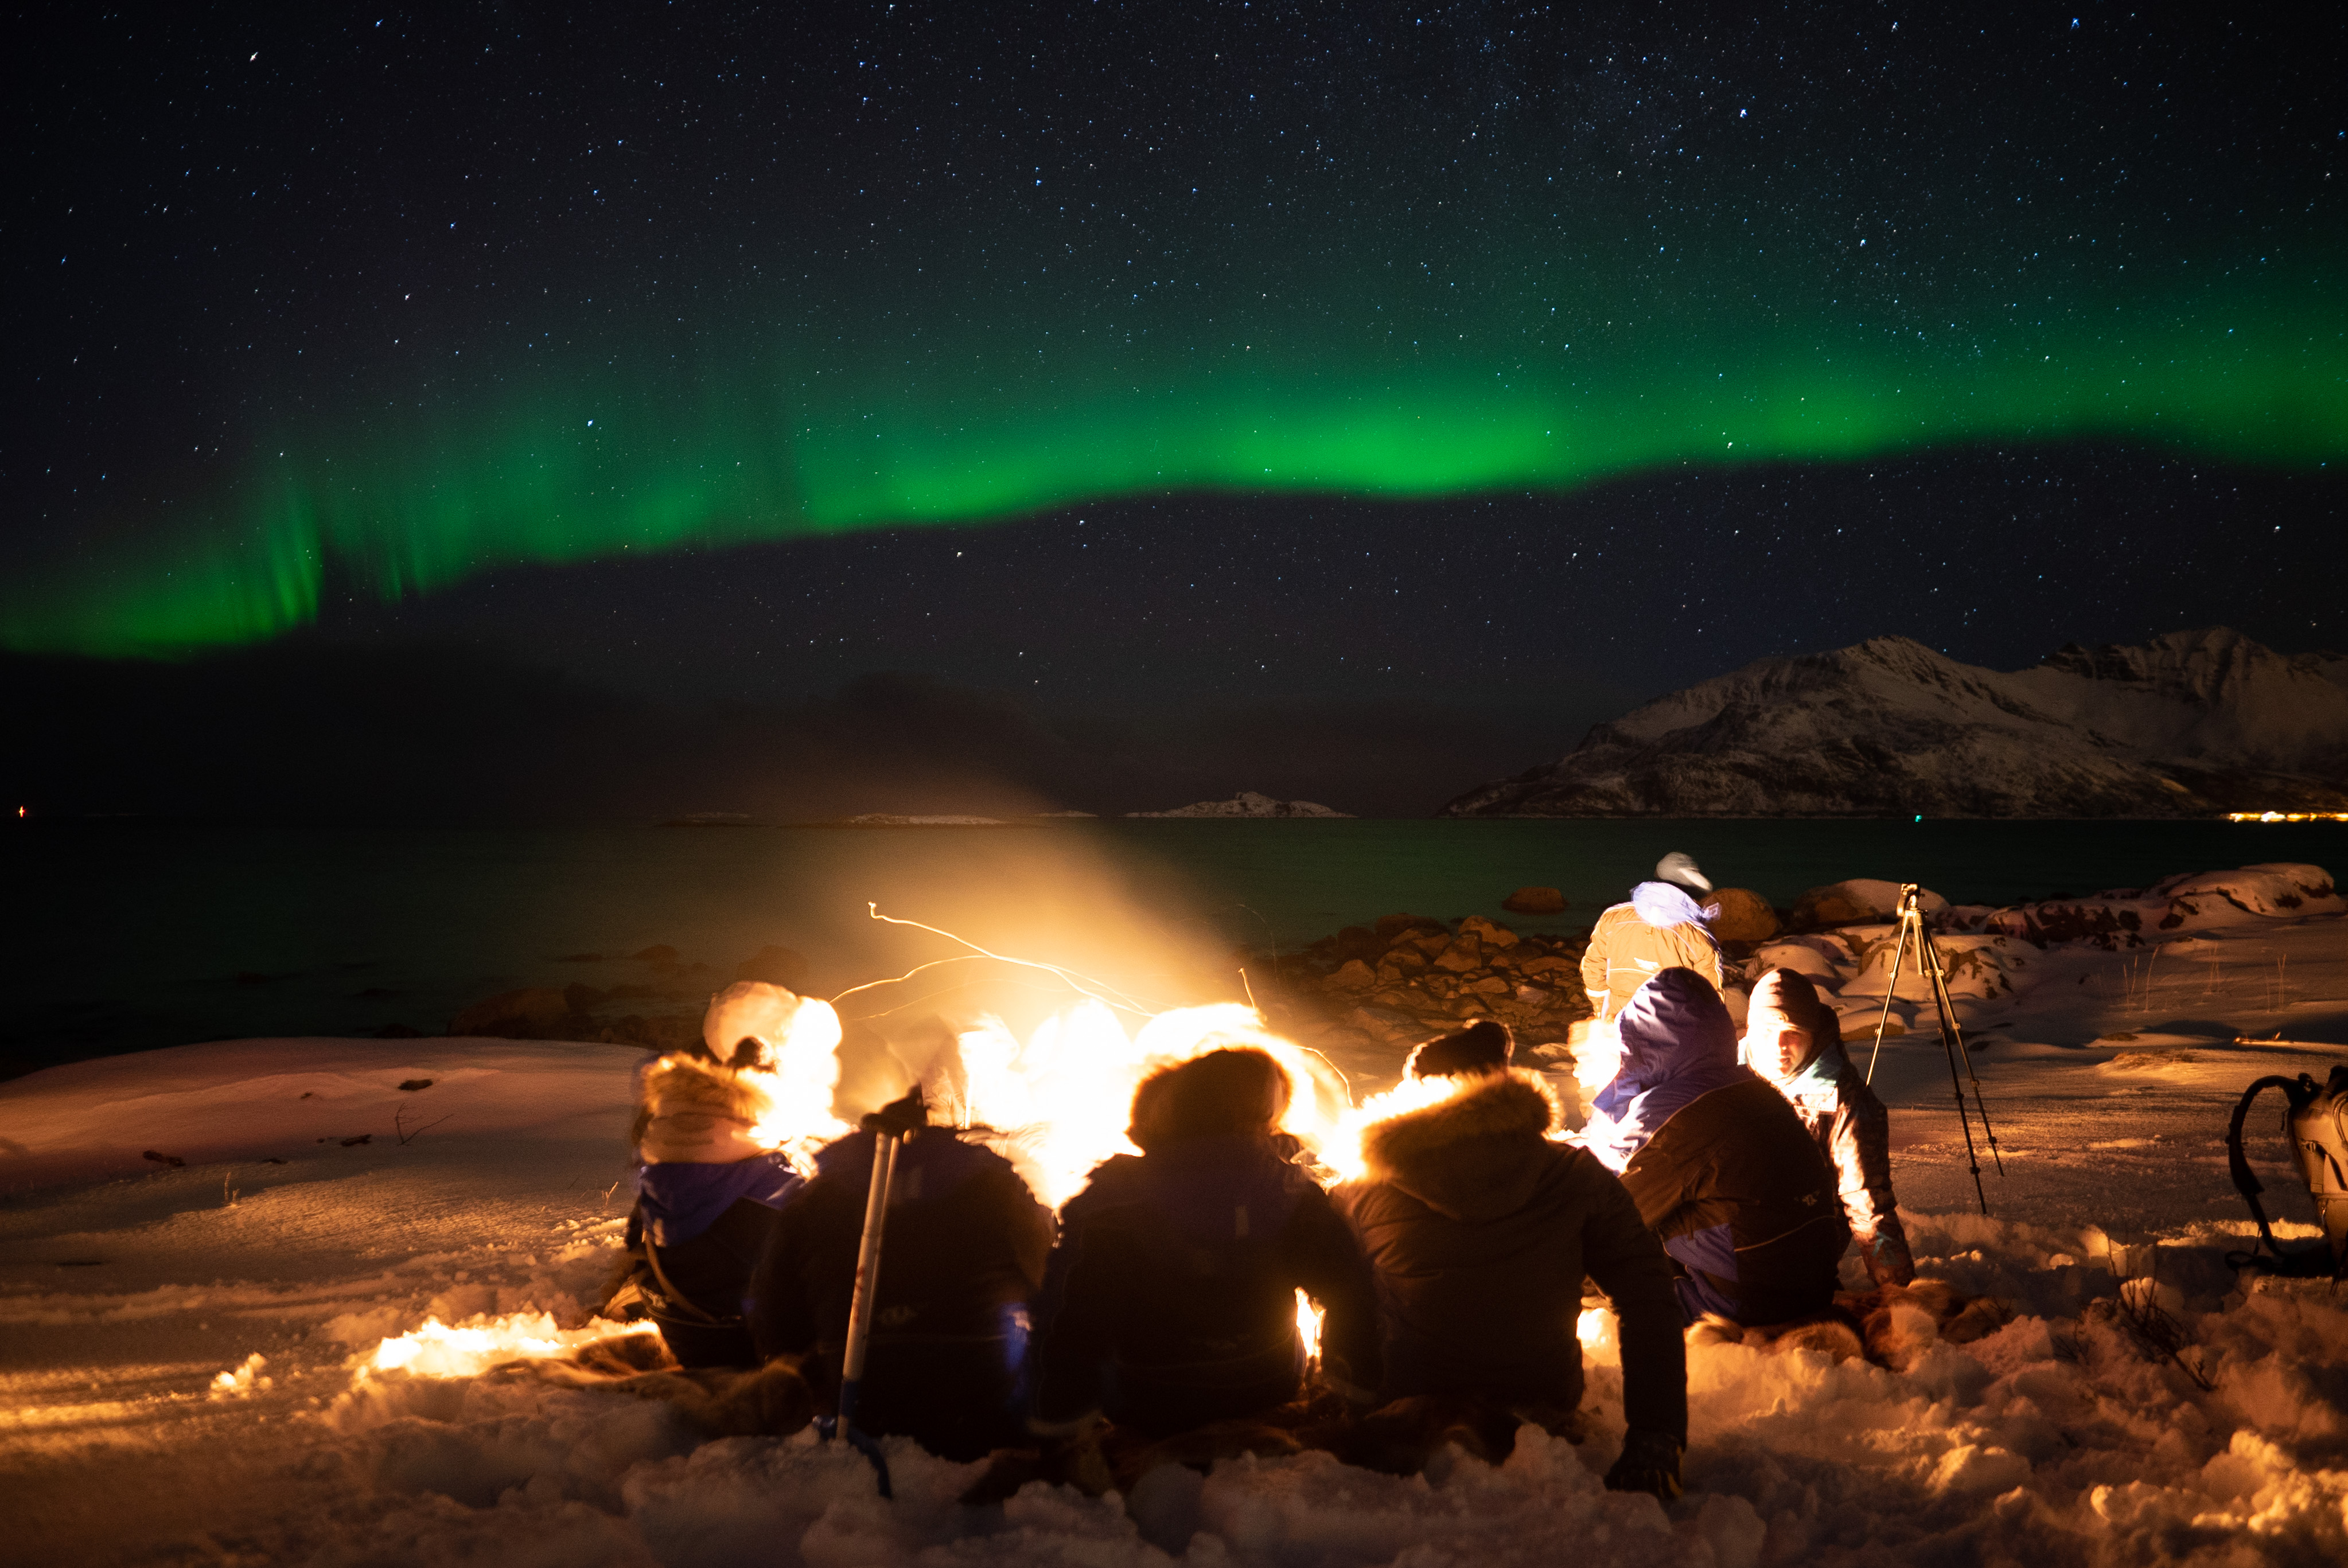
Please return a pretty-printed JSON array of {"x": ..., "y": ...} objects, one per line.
[
  {"x": 962, "y": 1252},
  {"x": 1662, "y": 927},
  {"x": 1171, "y": 1300},
  {"x": 1720, "y": 1166},
  {"x": 707, "y": 1194},
  {"x": 1479, "y": 1230},
  {"x": 1793, "y": 1039}
]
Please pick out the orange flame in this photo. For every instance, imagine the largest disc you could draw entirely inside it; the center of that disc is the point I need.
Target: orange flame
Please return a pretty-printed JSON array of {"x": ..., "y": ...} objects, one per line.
[{"x": 468, "y": 1348}]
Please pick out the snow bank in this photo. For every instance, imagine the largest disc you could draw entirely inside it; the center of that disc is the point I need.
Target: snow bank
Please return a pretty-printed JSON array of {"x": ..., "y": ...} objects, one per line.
[
  {"x": 2063, "y": 1436},
  {"x": 299, "y": 1362}
]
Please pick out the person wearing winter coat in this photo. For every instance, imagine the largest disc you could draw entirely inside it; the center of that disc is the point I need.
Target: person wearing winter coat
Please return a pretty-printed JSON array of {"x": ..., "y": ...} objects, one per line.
[
  {"x": 1721, "y": 1168},
  {"x": 1171, "y": 1300},
  {"x": 962, "y": 1251},
  {"x": 1793, "y": 1039},
  {"x": 1479, "y": 1230},
  {"x": 1662, "y": 927},
  {"x": 707, "y": 1191}
]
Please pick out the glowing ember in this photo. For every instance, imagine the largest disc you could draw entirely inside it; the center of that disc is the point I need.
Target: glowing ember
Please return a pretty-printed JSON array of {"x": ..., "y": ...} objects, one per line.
[{"x": 473, "y": 1347}]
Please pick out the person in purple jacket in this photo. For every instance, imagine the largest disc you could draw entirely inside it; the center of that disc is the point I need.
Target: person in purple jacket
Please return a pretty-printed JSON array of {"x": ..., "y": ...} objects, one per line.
[{"x": 1720, "y": 1166}]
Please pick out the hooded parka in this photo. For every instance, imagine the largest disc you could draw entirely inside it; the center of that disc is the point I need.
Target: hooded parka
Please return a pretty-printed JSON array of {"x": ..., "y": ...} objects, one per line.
[
  {"x": 1720, "y": 1166},
  {"x": 963, "y": 1253},
  {"x": 1480, "y": 1232},
  {"x": 1172, "y": 1296},
  {"x": 1662, "y": 927}
]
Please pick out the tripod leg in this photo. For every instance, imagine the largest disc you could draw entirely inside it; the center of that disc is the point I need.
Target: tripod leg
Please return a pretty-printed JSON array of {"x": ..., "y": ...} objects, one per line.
[
  {"x": 1897, "y": 952},
  {"x": 1952, "y": 1046},
  {"x": 1956, "y": 1037}
]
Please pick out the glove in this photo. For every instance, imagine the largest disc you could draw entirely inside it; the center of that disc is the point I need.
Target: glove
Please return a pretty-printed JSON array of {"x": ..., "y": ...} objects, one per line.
[
  {"x": 1650, "y": 1464},
  {"x": 900, "y": 1116}
]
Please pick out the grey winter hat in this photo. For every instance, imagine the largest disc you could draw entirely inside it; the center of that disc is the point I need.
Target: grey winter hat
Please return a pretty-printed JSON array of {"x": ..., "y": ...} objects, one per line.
[{"x": 1680, "y": 868}]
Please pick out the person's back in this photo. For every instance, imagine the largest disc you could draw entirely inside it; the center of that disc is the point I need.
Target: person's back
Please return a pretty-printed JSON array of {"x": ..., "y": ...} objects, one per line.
[
  {"x": 1662, "y": 927},
  {"x": 963, "y": 1255},
  {"x": 707, "y": 1192},
  {"x": 1721, "y": 1168},
  {"x": 1171, "y": 1301},
  {"x": 1794, "y": 1040},
  {"x": 1480, "y": 1231}
]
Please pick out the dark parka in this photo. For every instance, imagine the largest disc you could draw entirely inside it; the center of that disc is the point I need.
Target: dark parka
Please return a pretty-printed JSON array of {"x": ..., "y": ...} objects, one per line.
[
  {"x": 963, "y": 1255},
  {"x": 1720, "y": 1166},
  {"x": 1480, "y": 1232},
  {"x": 1171, "y": 1300}
]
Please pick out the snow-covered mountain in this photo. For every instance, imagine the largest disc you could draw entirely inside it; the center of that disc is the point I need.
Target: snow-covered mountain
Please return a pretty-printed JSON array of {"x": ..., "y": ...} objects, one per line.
[{"x": 2192, "y": 725}]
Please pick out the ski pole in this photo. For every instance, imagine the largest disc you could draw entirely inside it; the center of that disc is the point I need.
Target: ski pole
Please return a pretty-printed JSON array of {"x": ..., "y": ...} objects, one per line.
[{"x": 890, "y": 1127}]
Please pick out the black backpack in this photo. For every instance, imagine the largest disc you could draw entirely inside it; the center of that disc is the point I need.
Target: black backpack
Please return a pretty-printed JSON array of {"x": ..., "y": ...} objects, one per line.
[{"x": 2316, "y": 1123}]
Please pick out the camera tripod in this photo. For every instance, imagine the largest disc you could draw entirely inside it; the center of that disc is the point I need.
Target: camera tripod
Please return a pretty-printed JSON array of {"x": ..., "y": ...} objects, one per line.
[{"x": 1952, "y": 1040}]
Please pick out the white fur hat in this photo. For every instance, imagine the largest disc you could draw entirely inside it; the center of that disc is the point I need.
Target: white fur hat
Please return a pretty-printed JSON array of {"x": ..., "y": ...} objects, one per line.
[
  {"x": 753, "y": 1009},
  {"x": 1680, "y": 868}
]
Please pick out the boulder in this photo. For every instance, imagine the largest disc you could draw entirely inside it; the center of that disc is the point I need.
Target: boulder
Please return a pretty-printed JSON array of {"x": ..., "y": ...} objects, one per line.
[
  {"x": 1487, "y": 932},
  {"x": 1353, "y": 975},
  {"x": 775, "y": 965},
  {"x": 660, "y": 1033},
  {"x": 527, "y": 1014},
  {"x": 1461, "y": 956},
  {"x": 1855, "y": 902},
  {"x": 1534, "y": 901},
  {"x": 1744, "y": 916},
  {"x": 1390, "y": 926},
  {"x": 1402, "y": 962}
]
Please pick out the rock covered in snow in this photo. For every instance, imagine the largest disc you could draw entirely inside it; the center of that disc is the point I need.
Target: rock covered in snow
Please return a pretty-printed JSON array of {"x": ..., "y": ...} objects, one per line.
[
  {"x": 1247, "y": 804},
  {"x": 2124, "y": 917},
  {"x": 1993, "y": 955},
  {"x": 1744, "y": 916},
  {"x": 2194, "y": 723}
]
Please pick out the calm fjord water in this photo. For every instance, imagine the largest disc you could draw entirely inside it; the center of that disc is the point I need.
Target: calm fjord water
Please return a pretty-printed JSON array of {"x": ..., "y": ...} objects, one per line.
[{"x": 132, "y": 934}]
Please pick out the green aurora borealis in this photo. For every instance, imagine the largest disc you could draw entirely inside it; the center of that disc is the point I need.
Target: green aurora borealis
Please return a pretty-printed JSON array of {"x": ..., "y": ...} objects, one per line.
[
  {"x": 931, "y": 276},
  {"x": 812, "y": 439}
]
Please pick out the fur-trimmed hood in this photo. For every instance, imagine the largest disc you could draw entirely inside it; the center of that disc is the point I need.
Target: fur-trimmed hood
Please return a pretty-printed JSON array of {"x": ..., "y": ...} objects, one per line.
[
  {"x": 691, "y": 1109},
  {"x": 1473, "y": 1155}
]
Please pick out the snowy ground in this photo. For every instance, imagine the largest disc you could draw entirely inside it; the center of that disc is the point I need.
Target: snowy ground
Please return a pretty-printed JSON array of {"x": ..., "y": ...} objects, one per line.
[{"x": 128, "y": 1287}]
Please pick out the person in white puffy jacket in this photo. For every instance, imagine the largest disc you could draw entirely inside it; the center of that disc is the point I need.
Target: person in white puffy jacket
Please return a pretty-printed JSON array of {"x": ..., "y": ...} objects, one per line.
[{"x": 1793, "y": 1039}]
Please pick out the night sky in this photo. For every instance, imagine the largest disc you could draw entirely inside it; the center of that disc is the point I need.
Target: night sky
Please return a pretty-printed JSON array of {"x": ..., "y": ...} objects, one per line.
[{"x": 817, "y": 408}]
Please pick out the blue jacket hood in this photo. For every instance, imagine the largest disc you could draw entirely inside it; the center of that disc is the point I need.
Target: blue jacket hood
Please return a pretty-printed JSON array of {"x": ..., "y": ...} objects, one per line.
[
  {"x": 680, "y": 1201},
  {"x": 1662, "y": 903},
  {"x": 1678, "y": 1044}
]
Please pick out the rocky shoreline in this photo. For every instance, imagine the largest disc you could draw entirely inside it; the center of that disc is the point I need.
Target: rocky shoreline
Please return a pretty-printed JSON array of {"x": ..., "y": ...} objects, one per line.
[{"x": 1366, "y": 993}]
